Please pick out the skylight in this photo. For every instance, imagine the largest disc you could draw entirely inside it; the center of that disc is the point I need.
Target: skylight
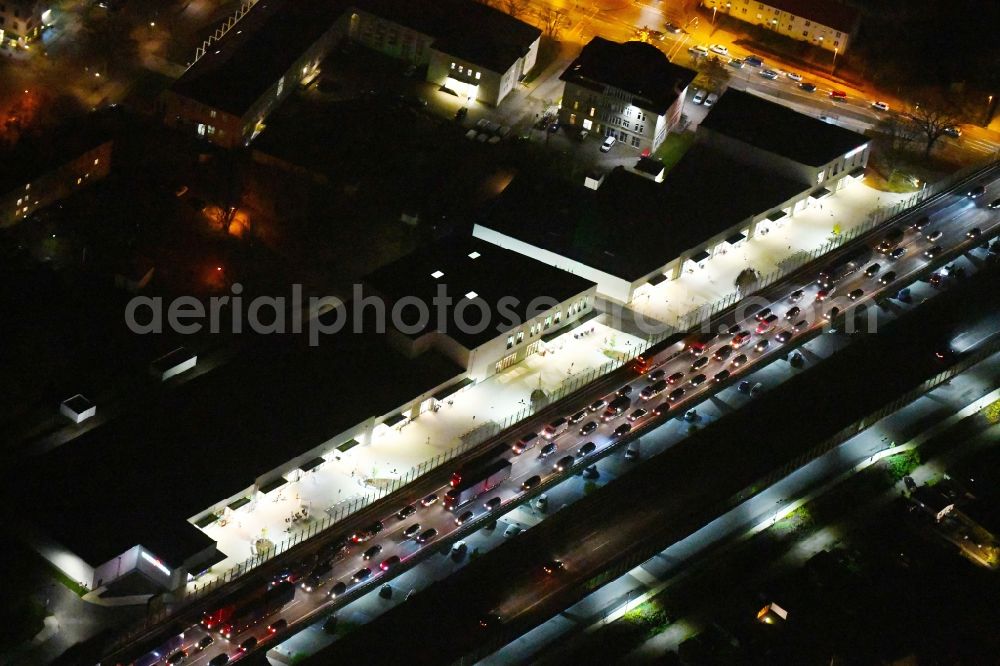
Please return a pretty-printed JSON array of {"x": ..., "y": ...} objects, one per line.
[
  {"x": 437, "y": 275},
  {"x": 471, "y": 295},
  {"x": 474, "y": 255}
]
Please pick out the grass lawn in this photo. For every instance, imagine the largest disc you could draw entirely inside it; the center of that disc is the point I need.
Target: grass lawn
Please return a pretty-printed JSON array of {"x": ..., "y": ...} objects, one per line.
[{"x": 673, "y": 148}]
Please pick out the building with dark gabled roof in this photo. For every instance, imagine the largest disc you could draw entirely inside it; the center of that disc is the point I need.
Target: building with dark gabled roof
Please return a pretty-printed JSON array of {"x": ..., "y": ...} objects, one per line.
[
  {"x": 496, "y": 306},
  {"x": 828, "y": 24},
  {"x": 476, "y": 51},
  {"x": 780, "y": 139},
  {"x": 630, "y": 91}
]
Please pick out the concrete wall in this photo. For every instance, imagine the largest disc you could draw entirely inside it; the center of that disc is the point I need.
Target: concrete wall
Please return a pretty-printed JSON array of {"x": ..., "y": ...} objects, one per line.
[{"x": 55, "y": 184}]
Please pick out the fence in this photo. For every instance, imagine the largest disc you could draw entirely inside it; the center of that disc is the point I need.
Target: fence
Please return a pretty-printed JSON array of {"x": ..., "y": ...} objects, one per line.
[
  {"x": 698, "y": 315},
  {"x": 343, "y": 510},
  {"x": 221, "y": 31}
]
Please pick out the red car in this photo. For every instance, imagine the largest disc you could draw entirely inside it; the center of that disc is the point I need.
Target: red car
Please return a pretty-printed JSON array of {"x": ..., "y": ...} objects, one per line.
[{"x": 838, "y": 94}]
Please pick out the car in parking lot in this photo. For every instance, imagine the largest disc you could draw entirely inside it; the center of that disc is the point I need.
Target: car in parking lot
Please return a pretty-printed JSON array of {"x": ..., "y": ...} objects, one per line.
[
  {"x": 855, "y": 294},
  {"x": 872, "y": 270},
  {"x": 609, "y": 143},
  {"x": 389, "y": 563},
  {"x": 721, "y": 376},
  {"x": 636, "y": 415},
  {"x": 622, "y": 430},
  {"x": 586, "y": 449},
  {"x": 736, "y": 63},
  {"x": 711, "y": 99},
  {"x": 783, "y": 336},
  {"x": 698, "y": 96},
  {"x": 411, "y": 531},
  {"x": 406, "y": 512},
  {"x": 723, "y": 352},
  {"x": 793, "y": 312},
  {"x": 674, "y": 378},
  {"x": 934, "y": 235},
  {"x": 767, "y": 323},
  {"x": 372, "y": 552},
  {"x": 898, "y": 253},
  {"x": 697, "y": 380},
  {"x": 429, "y": 500},
  {"x": 426, "y": 535},
  {"x": 531, "y": 482},
  {"x": 807, "y": 87},
  {"x": 564, "y": 463},
  {"x": 739, "y": 361},
  {"x": 653, "y": 389},
  {"x": 698, "y": 50},
  {"x": 932, "y": 252},
  {"x": 741, "y": 339},
  {"x": 887, "y": 277},
  {"x": 552, "y": 566},
  {"x": 719, "y": 48},
  {"x": 464, "y": 518},
  {"x": 769, "y": 74},
  {"x": 760, "y": 346}
]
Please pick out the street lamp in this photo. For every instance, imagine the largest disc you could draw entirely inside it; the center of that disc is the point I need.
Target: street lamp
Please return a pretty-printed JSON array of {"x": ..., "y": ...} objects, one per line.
[
  {"x": 836, "y": 50},
  {"x": 714, "y": 9}
]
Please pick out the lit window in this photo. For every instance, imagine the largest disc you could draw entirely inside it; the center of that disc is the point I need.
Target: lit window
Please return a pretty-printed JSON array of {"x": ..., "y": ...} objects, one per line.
[
  {"x": 19, "y": 202},
  {"x": 558, "y": 317},
  {"x": 477, "y": 75},
  {"x": 28, "y": 186},
  {"x": 548, "y": 321},
  {"x": 79, "y": 180},
  {"x": 453, "y": 65},
  {"x": 592, "y": 111},
  {"x": 212, "y": 113},
  {"x": 471, "y": 295},
  {"x": 520, "y": 337},
  {"x": 474, "y": 255},
  {"x": 437, "y": 275},
  {"x": 96, "y": 161},
  {"x": 510, "y": 341}
]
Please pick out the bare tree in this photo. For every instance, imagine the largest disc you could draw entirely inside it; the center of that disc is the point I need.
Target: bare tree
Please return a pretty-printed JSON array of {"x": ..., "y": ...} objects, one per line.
[
  {"x": 933, "y": 117},
  {"x": 895, "y": 135},
  {"x": 553, "y": 21},
  {"x": 746, "y": 281},
  {"x": 515, "y": 8}
]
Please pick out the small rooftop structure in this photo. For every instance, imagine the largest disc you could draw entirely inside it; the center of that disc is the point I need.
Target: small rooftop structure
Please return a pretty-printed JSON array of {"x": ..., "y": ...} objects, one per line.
[
  {"x": 173, "y": 363},
  {"x": 77, "y": 409}
]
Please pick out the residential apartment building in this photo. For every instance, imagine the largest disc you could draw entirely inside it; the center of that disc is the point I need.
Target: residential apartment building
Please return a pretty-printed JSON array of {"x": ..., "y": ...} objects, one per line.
[
  {"x": 20, "y": 21},
  {"x": 630, "y": 91},
  {"x": 37, "y": 173},
  {"x": 478, "y": 52},
  {"x": 828, "y": 24}
]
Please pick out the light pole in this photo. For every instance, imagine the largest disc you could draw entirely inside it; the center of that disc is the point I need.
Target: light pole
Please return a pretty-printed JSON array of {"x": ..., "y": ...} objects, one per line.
[
  {"x": 989, "y": 108},
  {"x": 714, "y": 9},
  {"x": 836, "y": 50}
]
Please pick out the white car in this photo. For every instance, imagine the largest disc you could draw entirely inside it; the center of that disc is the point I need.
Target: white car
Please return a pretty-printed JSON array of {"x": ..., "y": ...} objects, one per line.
[
  {"x": 793, "y": 76},
  {"x": 880, "y": 106},
  {"x": 608, "y": 144},
  {"x": 711, "y": 99},
  {"x": 720, "y": 49},
  {"x": 698, "y": 50},
  {"x": 699, "y": 96}
]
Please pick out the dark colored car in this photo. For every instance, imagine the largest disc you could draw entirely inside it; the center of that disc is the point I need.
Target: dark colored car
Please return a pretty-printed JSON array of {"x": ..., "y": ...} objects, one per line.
[
  {"x": 586, "y": 449},
  {"x": 564, "y": 463},
  {"x": 338, "y": 589},
  {"x": 411, "y": 531},
  {"x": 808, "y": 87},
  {"x": 389, "y": 563},
  {"x": 372, "y": 552},
  {"x": 219, "y": 660},
  {"x": 277, "y": 625},
  {"x": 531, "y": 482},
  {"x": 872, "y": 270},
  {"x": 248, "y": 644},
  {"x": 364, "y": 574},
  {"x": 622, "y": 430},
  {"x": 406, "y": 512},
  {"x": 588, "y": 427},
  {"x": 887, "y": 277}
]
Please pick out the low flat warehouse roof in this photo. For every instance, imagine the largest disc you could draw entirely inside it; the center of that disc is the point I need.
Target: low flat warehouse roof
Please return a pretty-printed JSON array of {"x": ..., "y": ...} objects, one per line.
[
  {"x": 632, "y": 226},
  {"x": 256, "y": 52},
  {"x": 138, "y": 478}
]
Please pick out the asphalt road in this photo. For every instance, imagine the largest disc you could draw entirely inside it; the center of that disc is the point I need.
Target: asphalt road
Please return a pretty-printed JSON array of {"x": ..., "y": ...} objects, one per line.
[{"x": 657, "y": 500}]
